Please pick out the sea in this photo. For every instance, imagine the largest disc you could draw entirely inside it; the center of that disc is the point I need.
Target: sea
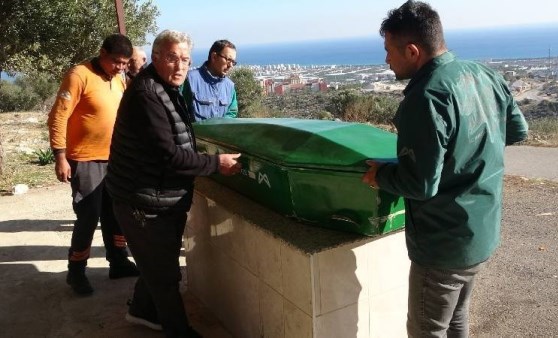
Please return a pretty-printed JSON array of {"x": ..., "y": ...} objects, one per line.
[{"x": 488, "y": 44}]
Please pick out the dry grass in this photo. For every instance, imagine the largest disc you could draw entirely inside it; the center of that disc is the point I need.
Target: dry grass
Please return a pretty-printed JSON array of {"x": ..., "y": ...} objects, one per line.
[
  {"x": 22, "y": 134},
  {"x": 543, "y": 132}
]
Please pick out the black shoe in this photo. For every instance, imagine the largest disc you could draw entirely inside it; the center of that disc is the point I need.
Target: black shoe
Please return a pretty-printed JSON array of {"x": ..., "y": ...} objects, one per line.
[
  {"x": 135, "y": 317},
  {"x": 191, "y": 333},
  {"x": 79, "y": 283},
  {"x": 122, "y": 268},
  {"x": 150, "y": 323}
]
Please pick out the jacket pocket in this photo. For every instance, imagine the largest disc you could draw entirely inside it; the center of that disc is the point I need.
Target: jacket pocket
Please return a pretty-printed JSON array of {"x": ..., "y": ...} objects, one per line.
[
  {"x": 224, "y": 102},
  {"x": 203, "y": 100}
]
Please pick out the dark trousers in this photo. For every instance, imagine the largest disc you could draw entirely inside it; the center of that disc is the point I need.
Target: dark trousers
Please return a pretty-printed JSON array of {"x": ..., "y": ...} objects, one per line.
[
  {"x": 155, "y": 241},
  {"x": 92, "y": 203}
]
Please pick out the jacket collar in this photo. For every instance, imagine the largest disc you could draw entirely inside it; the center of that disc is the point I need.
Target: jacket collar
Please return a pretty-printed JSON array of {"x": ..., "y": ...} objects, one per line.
[
  {"x": 428, "y": 68},
  {"x": 96, "y": 65},
  {"x": 207, "y": 76}
]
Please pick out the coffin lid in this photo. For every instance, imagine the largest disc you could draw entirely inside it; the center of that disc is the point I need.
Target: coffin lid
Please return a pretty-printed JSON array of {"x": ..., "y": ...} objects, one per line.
[{"x": 300, "y": 142}]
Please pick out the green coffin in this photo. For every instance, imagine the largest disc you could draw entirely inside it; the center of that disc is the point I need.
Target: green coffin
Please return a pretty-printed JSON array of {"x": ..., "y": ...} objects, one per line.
[{"x": 310, "y": 170}]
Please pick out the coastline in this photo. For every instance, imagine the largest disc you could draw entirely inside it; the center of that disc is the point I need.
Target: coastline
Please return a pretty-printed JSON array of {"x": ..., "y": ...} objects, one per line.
[{"x": 499, "y": 43}]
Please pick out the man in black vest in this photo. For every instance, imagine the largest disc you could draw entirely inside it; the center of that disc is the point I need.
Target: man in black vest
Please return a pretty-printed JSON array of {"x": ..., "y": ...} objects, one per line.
[{"x": 151, "y": 173}]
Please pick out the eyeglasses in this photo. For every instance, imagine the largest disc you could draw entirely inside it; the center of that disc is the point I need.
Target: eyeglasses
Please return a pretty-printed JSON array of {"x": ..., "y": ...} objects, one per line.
[
  {"x": 175, "y": 60},
  {"x": 228, "y": 60}
]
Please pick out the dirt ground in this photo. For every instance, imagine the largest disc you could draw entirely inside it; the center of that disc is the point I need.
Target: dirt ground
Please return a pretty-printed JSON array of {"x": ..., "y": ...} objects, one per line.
[{"x": 516, "y": 295}]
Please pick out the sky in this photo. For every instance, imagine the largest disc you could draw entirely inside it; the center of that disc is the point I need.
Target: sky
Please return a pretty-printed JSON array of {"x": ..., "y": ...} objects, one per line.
[{"x": 246, "y": 22}]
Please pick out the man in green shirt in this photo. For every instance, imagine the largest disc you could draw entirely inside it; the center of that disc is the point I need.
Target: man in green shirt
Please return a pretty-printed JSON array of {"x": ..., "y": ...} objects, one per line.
[{"x": 453, "y": 124}]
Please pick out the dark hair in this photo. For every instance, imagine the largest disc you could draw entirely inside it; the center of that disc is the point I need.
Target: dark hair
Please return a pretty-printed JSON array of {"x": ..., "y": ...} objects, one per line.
[
  {"x": 218, "y": 47},
  {"x": 118, "y": 44},
  {"x": 415, "y": 22}
]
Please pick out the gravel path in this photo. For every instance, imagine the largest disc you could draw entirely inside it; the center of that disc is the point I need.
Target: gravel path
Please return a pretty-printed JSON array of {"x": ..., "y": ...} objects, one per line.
[{"x": 517, "y": 293}]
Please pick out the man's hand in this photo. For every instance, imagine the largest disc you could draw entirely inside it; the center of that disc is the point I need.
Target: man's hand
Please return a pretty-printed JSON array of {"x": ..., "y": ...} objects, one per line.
[
  {"x": 228, "y": 164},
  {"x": 370, "y": 176},
  {"x": 62, "y": 168}
]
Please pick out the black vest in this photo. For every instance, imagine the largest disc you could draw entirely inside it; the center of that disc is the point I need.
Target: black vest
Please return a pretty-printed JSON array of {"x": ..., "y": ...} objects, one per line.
[{"x": 137, "y": 174}]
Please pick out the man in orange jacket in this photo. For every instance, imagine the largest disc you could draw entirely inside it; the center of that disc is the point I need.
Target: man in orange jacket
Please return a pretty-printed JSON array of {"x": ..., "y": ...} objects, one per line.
[{"x": 80, "y": 127}]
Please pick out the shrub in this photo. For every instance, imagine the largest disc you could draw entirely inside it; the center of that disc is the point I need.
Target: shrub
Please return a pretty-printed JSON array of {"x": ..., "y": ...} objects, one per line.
[
  {"x": 350, "y": 105},
  {"x": 45, "y": 156},
  {"x": 248, "y": 91},
  {"x": 15, "y": 98},
  {"x": 324, "y": 115},
  {"x": 40, "y": 84}
]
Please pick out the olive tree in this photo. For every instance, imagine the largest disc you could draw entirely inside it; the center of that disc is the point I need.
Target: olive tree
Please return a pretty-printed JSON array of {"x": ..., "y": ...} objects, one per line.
[{"x": 49, "y": 36}]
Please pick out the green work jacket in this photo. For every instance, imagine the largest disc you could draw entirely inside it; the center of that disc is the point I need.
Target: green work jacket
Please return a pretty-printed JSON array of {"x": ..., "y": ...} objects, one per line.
[{"x": 453, "y": 124}]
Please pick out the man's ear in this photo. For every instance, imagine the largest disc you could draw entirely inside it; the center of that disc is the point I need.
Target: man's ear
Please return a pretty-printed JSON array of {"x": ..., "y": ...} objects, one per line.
[
  {"x": 102, "y": 52},
  {"x": 412, "y": 51}
]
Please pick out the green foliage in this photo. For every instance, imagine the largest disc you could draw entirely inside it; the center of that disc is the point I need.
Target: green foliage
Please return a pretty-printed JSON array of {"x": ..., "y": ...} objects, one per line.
[
  {"x": 350, "y": 105},
  {"x": 45, "y": 156},
  {"x": 15, "y": 98},
  {"x": 248, "y": 92},
  {"x": 40, "y": 83},
  {"x": 525, "y": 101},
  {"x": 548, "y": 106},
  {"x": 533, "y": 109},
  {"x": 27, "y": 92},
  {"x": 325, "y": 115},
  {"x": 49, "y": 36},
  {"x": 341, "y": 100},
  {"x": 259, "y": 110}
]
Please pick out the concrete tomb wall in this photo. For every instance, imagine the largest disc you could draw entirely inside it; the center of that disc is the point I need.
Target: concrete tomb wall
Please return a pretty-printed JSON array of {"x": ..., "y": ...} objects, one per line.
[{"x": 264, "y": 275}]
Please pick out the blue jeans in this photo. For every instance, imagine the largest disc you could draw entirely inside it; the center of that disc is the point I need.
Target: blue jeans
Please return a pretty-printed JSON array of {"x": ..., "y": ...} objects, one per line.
[{"x": 439, "y": 301}]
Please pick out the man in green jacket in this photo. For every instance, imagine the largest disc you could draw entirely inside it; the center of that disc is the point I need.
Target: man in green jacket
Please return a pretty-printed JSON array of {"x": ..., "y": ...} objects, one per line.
[{"x": 453, "y": 124}]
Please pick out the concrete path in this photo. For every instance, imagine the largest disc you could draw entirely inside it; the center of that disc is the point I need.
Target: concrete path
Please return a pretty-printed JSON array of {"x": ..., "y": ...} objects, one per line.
[
  {"x": 35, "y": 231},
  {"x": 532, "y": 162}
]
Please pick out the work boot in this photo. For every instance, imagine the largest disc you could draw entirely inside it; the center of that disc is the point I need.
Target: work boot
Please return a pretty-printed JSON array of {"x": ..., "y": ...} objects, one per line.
[
  {"x": 122, "y": 267},
  {"x": 77, "y": 279}
]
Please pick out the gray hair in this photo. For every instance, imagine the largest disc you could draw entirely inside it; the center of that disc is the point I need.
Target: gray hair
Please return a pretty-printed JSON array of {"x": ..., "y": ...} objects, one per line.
[{"x": 171, "y": 36}]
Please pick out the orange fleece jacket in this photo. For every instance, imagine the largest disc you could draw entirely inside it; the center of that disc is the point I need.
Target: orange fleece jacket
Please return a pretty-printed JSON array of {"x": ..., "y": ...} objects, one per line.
[{"x": 82, "y": 117}]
